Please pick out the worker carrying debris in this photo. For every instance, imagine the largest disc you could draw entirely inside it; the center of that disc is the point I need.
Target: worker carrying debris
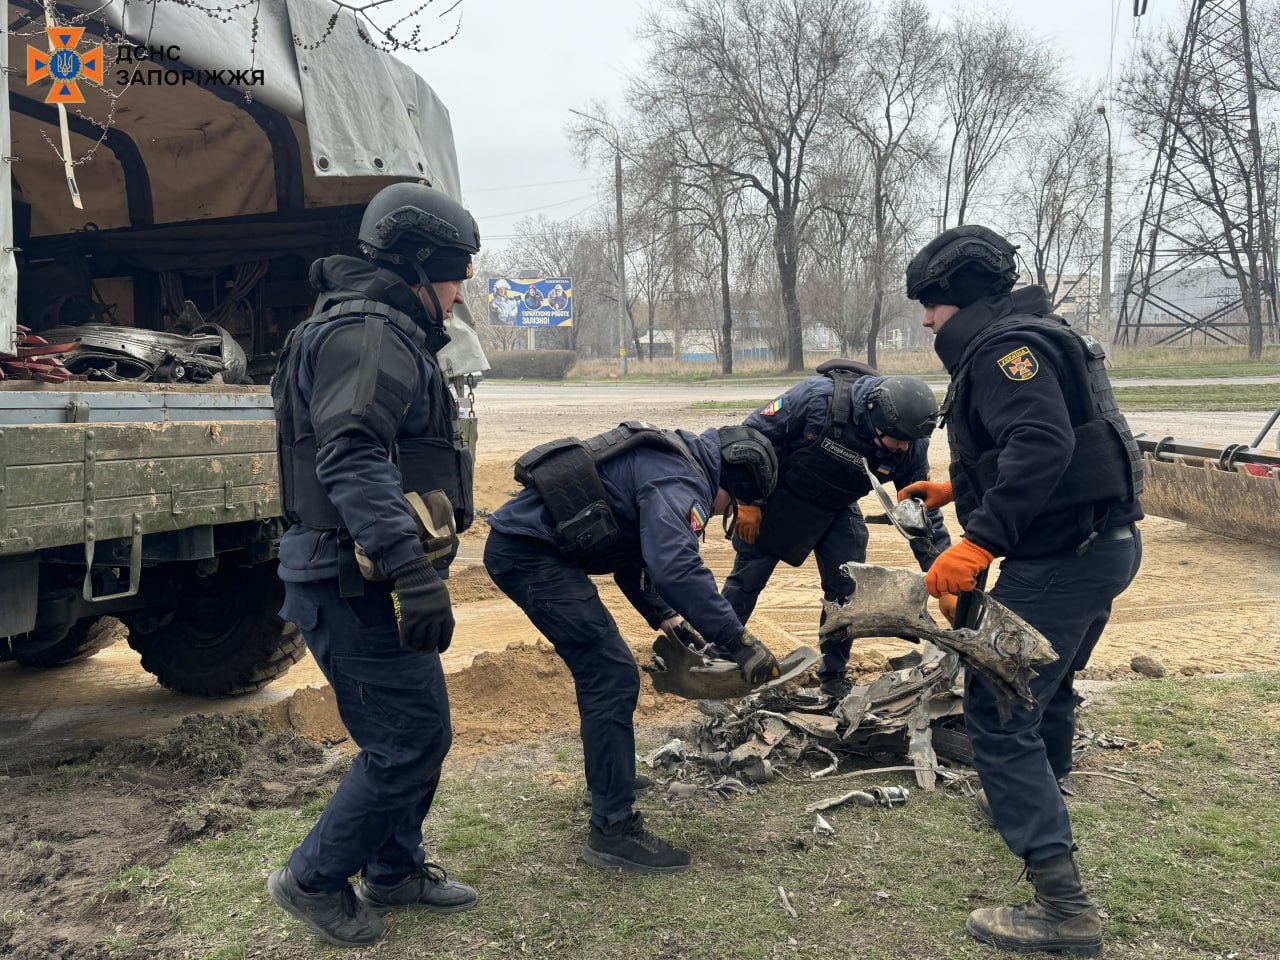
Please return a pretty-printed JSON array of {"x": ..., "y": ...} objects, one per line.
[
  {"x": 634, "y": 502},
  {"x": 828, "y": 431},
  {"x": 1045, "y": 473}
]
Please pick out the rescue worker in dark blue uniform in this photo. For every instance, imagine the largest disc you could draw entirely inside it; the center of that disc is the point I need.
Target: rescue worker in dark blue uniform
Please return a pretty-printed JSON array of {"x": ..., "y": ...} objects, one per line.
[
  {"x": 376, "y": 482},
  {"x": 824, "y": 428},
  {"x": 1046, "y": 474},
  {"x": 633, "y": 502}
]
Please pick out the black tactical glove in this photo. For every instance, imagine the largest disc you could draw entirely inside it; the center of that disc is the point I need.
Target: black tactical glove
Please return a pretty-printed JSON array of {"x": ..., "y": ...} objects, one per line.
[
  {"x": 754, "y": 659},
  {"x": 685, "y": 634},
  {"x": 423, "y": 608}
]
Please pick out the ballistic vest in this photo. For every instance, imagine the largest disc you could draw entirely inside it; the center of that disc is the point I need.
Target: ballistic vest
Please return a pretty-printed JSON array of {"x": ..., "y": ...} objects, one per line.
[
  {"x": 438, "y": 459},
  {"x": 1106, "y": 465},
  {"x": 817, "y": 481}
]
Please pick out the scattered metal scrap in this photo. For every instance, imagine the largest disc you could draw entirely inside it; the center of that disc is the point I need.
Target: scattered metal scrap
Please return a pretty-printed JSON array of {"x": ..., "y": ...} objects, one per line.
[{"x": 752, "y": 741}]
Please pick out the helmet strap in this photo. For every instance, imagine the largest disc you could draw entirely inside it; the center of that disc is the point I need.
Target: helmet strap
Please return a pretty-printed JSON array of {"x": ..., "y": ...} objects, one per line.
[
  {"x": 730, "y": 518},
  {"x": 438, "y": 317}
]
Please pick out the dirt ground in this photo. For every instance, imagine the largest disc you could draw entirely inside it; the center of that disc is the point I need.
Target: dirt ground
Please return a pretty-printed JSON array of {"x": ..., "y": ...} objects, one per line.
[{"x": 1202, "y": 604}]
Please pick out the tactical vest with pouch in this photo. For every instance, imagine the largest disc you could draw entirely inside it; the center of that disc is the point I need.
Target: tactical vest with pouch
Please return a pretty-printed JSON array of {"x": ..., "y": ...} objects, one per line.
[
  {"x": 818, "y": 481},
  {"x": 566, "y": 475}
]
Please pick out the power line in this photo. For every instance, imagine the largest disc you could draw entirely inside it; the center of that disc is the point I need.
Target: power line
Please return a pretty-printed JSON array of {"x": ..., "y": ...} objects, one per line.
[
  {"x": 541, "y": 206},
  {"x": 523, "y": 186}
]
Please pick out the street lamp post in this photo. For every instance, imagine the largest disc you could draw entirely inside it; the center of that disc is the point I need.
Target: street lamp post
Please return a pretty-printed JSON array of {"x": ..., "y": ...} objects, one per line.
[
  {"x": 1104, "y": 304},
  {"x": 622, "y": 250}
]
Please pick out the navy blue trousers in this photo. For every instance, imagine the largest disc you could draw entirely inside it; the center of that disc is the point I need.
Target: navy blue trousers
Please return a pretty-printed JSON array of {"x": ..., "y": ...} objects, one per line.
[
  {"x": 395, "y": 705},
  {"x": 844, "y": 540},
  {"x": 1068, "y": 599},
  {"x": 565, "y": 606}
]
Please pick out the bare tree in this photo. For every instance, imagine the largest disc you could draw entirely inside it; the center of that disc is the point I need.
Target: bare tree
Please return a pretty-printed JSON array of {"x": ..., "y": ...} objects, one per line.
[
  {"x": 999, "y": 79},
  {"x": 884, "y": 106},
  {"x": 761, "y": 74},
  {"x": 1056, "y": 191}
]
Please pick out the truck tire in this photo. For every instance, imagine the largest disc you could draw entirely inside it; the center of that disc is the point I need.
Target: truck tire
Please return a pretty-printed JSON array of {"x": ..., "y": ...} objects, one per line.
[
  {"x": 80, "y": 642},
  {"x": 225, "y": 637}
]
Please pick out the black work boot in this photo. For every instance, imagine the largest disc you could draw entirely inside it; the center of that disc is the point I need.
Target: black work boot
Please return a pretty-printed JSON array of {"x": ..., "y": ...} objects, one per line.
[
  {"x": 1060, "y": 918},
  {"x": 431, "y": 888},
  {"x": 336, "y": 915},
  {"x": 640, "y": 785},
  {"x": 629, "y": 846},
  {"x": 837, "y": 688}
]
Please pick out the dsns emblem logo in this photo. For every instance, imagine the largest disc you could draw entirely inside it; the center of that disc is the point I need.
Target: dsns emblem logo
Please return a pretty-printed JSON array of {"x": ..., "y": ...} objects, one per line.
[{"x": 64, "y": 66}]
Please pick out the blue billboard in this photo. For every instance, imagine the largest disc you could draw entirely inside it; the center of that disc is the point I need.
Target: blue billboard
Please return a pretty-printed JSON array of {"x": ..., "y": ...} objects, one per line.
[{"x": 542, "y": 302}]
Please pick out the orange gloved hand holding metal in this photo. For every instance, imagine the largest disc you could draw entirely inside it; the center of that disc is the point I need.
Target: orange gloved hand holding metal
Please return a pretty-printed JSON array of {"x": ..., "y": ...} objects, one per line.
[
  {"x": 747, "y": 527},
  {"x": 947, "y": 604},
  {"x": 933, "y": 493},
  {"x": 956, "y": 569}
]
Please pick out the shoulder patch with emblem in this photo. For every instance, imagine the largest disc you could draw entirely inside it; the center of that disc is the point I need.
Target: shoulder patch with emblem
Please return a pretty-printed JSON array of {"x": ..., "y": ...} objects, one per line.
[
  {"x": 1021, "y": 364},
  {"x": 769, "y": 409},
  {"x": 697, "y": 517}
]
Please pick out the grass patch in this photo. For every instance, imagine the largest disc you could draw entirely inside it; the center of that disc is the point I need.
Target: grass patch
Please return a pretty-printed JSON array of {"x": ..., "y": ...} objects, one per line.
[
  {"x": 1250, "y": 397},
  {"x": 1194, "y": 875}
]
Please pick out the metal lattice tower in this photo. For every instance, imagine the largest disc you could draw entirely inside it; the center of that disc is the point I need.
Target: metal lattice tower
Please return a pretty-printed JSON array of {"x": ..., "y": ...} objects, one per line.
[{"x": 1207, "y": 204}]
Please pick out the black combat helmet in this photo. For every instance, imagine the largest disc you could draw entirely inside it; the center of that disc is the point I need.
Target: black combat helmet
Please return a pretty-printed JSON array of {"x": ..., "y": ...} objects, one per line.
[
  {"x": 903, "y": 408},
  {"x": 961, "y": 266},
  {"x": 411, "y": 224},
  {"x": 748, "y": 464}
]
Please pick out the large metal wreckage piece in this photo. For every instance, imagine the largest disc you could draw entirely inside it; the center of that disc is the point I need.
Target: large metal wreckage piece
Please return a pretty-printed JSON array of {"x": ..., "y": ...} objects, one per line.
[{"x": 886, "y": 602}]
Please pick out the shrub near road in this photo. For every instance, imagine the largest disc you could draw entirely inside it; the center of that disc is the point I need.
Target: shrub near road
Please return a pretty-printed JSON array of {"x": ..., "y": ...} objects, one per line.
[{"x": 161, "y": 849}]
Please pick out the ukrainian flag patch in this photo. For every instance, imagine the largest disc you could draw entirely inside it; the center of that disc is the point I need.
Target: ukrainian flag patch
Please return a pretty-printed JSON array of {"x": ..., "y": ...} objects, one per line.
[
  {"x": 770, "y": 409},
  {"x": 697, "y": 518}
]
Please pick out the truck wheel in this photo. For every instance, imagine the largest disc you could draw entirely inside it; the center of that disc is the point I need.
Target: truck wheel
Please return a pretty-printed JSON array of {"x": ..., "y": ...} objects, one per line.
[
  {"x": 85, "y": 638},
  {"x": 225, "y": 637}
]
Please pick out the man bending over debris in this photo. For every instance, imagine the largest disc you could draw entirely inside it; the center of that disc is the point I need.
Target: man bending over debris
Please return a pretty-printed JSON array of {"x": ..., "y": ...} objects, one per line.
[
  {"x": 632, "y": 502},
  {"x": 824, "y": 428},
  {"x": 1045, "y": 473}
]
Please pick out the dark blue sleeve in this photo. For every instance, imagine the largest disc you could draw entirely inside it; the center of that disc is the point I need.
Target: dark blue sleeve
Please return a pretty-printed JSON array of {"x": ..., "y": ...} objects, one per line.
[
  {"x": 666, "y": 506},
  {"x": 915, "y": 466},
  {"x": 354, "y": 441},
  {"x": 1030, "y": 425}
]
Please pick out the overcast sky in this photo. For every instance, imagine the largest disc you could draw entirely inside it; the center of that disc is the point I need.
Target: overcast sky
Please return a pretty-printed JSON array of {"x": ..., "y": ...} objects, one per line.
[{"x": 511, "y": 76}]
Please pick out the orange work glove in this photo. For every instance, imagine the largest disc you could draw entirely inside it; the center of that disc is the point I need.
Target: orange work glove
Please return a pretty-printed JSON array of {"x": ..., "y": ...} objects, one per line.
[
  {"x": 947, "y": 603},
  {"x": 748, "y": 526},
  {"x": 934, "y": 494},
  {"x": 957, "y": 568}
]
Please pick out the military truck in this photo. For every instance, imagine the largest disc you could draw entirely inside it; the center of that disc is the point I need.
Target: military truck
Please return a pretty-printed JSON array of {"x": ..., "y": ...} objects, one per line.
[{"x": 138, "y": 478}]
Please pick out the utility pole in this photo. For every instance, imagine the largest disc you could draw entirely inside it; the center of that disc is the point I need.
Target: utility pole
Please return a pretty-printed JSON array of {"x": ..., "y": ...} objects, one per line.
[
  {"x": 623, "y": 325},
  {"x": 623, "y": 339},
  {"x": 675, "y": 269},
  {"x": 1104, "y": 302}
]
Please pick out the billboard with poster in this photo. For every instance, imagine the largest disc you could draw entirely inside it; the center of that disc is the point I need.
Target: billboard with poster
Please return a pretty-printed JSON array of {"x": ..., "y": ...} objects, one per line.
[{"x": 540, "y": 302}]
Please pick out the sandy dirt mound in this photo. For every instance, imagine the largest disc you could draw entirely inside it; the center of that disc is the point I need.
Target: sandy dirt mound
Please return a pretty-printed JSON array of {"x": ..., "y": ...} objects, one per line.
[
  {"x": 471, "y": 584},
  {"x": 509, "y": 696}
]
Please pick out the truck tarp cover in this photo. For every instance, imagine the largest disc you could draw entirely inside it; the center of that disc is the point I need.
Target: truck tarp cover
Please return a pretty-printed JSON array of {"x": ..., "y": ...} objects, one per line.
[{"x": 360, "y": 119}]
